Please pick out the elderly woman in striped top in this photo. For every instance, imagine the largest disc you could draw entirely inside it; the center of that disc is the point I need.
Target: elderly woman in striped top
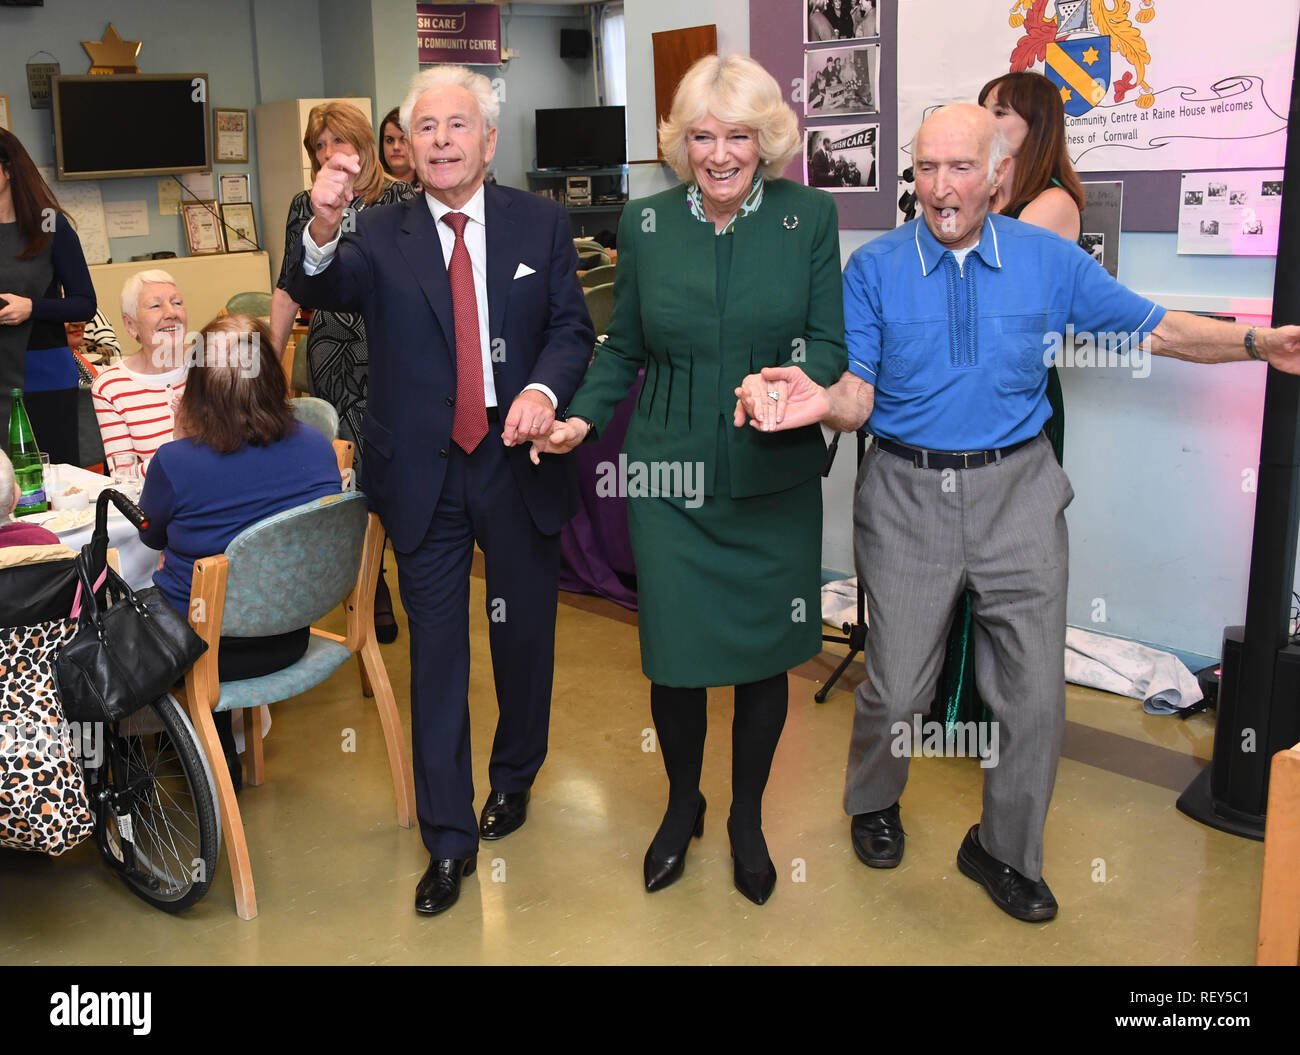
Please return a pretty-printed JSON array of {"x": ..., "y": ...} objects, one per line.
[{"x": 135, "y": 402}]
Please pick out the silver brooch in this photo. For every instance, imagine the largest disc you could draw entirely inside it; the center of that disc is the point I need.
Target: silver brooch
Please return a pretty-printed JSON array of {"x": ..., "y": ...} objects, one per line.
[{"x": 790, "y": 223}]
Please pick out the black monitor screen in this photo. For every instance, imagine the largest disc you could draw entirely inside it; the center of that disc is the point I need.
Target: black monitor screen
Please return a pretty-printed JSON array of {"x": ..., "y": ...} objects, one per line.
[
  {"x": 130, "y": 126},
  {"x": 581, "y": 137}
]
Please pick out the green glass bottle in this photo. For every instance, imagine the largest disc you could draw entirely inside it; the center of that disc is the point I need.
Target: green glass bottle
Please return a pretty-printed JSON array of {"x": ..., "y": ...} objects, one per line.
[{"x": 26, "y": 458}]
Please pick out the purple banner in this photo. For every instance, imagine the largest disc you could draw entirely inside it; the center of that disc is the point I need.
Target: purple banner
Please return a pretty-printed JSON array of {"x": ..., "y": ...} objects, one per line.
[{"x": 464, "y": 34}]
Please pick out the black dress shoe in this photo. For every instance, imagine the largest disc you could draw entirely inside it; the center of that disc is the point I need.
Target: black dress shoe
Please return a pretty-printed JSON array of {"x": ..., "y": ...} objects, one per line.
[
  {"x": 757, "y": 886},
  {"x": 439, "y": 887},
  {"x": 661, "y": 872},
  {"x": 878, "y": 837},
  {"x": 1026, "y": 899},
  {"x": 385, "y": 621},
  {"x": 503, "y": 813}
]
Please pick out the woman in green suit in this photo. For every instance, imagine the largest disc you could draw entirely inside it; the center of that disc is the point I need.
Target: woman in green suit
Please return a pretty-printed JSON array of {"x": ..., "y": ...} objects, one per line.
[{"x": 731, "y": 271}]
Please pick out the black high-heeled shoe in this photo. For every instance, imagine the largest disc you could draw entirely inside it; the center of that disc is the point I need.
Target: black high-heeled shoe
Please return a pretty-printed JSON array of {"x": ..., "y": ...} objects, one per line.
[
  {"x": 757, "y": 886},
  {"x": 662, "y": 872}
]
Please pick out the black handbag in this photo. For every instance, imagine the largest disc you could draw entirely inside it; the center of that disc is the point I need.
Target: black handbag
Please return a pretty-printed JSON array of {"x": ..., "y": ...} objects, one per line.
[{"x": 124, "y": 655}]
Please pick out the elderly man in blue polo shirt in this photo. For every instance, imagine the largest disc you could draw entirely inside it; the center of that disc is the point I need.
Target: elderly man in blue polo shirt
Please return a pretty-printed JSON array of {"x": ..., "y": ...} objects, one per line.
[{"x": 948, "y": 319}]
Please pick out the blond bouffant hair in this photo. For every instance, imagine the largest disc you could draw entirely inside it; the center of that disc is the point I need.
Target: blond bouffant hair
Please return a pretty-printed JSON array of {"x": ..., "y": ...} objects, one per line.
[
  {"x": 353, "y": 127},
  {"x": 735, "y": 90}
]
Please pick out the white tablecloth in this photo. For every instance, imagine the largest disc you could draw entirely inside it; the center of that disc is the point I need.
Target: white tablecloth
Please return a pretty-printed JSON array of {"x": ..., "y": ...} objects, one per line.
[{"x": 136, "y": 560}]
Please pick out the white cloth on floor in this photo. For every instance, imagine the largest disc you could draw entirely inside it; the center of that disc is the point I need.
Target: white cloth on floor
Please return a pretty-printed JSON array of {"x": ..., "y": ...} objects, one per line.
[
  {"x": 840, "y": 603},
  {"x": 1160, "y": 680}
]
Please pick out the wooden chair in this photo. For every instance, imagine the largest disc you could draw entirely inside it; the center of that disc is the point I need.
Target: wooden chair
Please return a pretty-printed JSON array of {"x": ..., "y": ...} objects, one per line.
[
  {"x": 598, "y": 276},
  {"x": 600, "y": 303},
  {"x": 287, "y": 571},
  {"x": 1279, "y": 900}
]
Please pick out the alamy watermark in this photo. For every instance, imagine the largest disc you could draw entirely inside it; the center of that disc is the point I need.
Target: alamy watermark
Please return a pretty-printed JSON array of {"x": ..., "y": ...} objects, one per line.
[
  {"x": 637, "y": 479},
  {"x": 67, "y": 740},
  {"x": 931, "y": 739},
  {"x": 220, "y": 349},
  {"x": 1106, "y": 348}
]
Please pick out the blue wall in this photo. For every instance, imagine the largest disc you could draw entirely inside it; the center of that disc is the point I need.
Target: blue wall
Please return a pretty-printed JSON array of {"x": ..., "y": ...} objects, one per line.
[{"x": 274, "y": 44}]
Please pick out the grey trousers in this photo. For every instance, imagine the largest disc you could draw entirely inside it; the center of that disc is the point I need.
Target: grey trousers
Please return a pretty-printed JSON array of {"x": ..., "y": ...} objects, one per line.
[{"x": 922, "y": 537}]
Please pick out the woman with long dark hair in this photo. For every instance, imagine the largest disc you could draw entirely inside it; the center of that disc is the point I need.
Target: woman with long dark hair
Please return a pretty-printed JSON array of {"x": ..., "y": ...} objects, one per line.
[
  {"x": 395, "y": 150},
  {"x": 44, "y": 282}
]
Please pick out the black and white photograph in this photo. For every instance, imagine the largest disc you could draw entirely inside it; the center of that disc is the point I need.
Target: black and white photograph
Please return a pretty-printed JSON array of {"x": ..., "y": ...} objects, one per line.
[
  {"x": 1095, "y": 244},
  {"x": 841, "y": 20},
  {"x": 1194, "y": 197},
  {"x": 840, "y": 81},
  {"x": 842, "y": 158},
  {"x": 1238, "y": 197},
  {"x": 1210, "y": 228},
  {"x": 1251, "y": 223},
  {"x": 1217, "y": 190},
  {"x": 1271, "y": 188}
]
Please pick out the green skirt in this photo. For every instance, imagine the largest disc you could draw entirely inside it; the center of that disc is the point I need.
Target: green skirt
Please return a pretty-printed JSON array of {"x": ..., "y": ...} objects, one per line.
[{"x": 729, "y": 591}]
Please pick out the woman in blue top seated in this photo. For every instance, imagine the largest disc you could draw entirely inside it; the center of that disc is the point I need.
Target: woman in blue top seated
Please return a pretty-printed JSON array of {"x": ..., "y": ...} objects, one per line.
[{"x": 238, "y": 456}]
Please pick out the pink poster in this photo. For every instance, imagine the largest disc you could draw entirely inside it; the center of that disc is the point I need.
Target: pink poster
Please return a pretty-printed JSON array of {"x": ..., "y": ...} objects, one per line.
[{"x": 464, "y": 34}]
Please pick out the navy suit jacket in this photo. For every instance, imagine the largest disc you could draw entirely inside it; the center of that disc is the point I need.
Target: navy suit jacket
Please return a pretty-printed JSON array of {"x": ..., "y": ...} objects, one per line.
[{"x": 391, "y": 270}]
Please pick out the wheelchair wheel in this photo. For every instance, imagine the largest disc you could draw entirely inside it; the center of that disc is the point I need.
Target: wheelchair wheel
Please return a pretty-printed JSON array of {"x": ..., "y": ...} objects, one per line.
[{"x": 159, "y": 827}]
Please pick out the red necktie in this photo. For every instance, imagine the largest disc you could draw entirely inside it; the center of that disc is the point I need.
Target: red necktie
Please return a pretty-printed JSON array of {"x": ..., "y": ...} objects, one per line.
[{"x": 469, "y": 424}]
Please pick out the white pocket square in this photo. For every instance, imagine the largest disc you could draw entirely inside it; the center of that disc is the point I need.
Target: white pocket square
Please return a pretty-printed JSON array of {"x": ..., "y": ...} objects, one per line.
[{"x": 523, "y": 270}]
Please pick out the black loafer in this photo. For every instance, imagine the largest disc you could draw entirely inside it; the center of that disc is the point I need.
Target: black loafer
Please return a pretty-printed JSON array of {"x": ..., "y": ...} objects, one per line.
[
  {"x": 660, "y": 872},
  {"x": 878, "y": 837},
  {"x": 1026, "y": 899},
  {"x": 439, "y": 887},
  {"x": 503, "y": 813}
]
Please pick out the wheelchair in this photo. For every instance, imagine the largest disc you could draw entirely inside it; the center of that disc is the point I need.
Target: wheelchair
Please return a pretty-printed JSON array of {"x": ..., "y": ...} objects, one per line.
[{"x": 149, "y": 786}]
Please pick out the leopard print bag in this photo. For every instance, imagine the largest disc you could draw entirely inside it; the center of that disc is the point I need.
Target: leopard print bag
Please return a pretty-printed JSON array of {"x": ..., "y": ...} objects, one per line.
[{"x": 43, "y": 805}]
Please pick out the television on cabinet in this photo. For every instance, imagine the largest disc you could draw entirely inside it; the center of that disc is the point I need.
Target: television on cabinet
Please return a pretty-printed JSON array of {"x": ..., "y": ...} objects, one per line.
[{"x": 581, "y": 137}]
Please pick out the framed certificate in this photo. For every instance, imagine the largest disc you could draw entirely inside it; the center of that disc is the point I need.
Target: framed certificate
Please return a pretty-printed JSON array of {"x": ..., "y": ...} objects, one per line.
[
  {"x": 234, "y": 188},
  {"x": 230, "y": 138},
  {"x": 4, "y": 113},
  {"x": 241, "y": 227},
  {"x": 202, "y": 225}
]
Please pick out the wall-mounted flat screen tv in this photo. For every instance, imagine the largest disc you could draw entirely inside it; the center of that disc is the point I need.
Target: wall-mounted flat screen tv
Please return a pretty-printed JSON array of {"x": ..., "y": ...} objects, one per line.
[
  {"x": 581, "y": 137},
  {"x": 131, "y": 125}
]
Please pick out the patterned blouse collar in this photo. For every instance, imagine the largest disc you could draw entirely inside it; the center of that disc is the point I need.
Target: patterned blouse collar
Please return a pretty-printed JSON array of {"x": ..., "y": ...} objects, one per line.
[{"x": 695, "y": 198}]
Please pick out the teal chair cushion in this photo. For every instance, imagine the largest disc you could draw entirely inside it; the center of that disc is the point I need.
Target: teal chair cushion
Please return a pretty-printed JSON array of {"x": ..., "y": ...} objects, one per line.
[
  {"x": 322, "y": 659},
  {"x": 318, "y": 413},
  {"x": 289, "y": 570},
  {"x": 257, "y": 304}
]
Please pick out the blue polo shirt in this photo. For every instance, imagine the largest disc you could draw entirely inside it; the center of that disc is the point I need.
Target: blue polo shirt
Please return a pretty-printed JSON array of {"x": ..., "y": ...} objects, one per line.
[{"x": 958, "y": 353}]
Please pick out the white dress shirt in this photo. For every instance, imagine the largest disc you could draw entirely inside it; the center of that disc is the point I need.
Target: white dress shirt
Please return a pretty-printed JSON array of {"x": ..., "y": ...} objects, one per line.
[{"x": 317, "y": 258}]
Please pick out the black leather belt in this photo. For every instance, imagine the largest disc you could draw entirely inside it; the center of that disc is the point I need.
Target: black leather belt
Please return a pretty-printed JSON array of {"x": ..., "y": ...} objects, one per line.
[
  {"x": 493, "y": 415},
  {"x": 927, "y": 459}
]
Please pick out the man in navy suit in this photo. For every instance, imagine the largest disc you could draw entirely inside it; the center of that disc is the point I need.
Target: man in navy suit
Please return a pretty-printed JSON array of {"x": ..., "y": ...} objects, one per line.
[{"x": 478, "y": 333}]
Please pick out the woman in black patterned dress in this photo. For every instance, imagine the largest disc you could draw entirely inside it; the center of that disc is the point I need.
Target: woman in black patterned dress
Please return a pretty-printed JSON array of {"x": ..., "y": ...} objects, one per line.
[{"x": 335, "y": 348}]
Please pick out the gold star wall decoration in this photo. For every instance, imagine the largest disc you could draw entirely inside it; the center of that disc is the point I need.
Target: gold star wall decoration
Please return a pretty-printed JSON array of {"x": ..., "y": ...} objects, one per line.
[{"x": 112, "y": 54}]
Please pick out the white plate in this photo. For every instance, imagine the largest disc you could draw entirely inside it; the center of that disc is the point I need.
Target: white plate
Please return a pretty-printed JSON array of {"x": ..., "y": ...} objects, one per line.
[{"x": 61, "y": 523}]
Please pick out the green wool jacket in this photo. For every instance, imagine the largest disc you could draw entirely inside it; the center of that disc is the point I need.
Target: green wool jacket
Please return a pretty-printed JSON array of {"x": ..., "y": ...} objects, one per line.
[{"x": 783, "y": 305}]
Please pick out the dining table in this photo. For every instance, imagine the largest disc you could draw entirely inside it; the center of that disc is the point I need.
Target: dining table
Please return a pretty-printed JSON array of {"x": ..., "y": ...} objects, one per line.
[{"x": 136, "y": 561}]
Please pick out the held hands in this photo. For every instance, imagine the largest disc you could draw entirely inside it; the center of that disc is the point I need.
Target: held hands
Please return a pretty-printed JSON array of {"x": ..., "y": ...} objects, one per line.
[
  {"x": 800, "y": 401},
  {"x": 531, "y": 418},
  {"x": 16, "y": 310},
  {"x": 331, "y": 194},
  {"x": 565, "y": 435}
]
